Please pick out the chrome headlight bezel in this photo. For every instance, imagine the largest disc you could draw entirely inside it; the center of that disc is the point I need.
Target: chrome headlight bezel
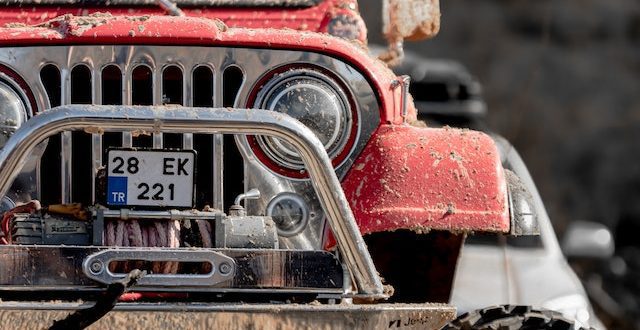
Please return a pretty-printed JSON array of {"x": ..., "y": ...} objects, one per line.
[
  {"x": 15, "y": 103},
  {"x": 335, "y": 124}
]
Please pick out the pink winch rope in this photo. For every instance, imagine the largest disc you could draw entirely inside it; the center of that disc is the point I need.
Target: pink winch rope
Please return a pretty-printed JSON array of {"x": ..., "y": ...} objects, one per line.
[{"x": 147, "y": 233}]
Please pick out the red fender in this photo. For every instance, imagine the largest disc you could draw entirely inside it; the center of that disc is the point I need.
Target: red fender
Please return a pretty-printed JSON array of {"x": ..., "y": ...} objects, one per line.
[{"x": 425, "y": 178}]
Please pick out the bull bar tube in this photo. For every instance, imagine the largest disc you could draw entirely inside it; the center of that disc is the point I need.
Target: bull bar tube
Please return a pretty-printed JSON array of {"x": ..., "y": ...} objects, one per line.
[{"x": 159, "y": 119}]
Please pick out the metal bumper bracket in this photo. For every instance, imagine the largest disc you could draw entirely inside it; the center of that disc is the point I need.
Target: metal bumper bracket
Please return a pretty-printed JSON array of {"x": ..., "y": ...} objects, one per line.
[{"x": 96, "y": 267}]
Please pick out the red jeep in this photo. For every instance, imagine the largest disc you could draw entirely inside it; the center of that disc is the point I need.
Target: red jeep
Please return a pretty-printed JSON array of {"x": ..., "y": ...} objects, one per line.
[{"x": 238, "y": 164}]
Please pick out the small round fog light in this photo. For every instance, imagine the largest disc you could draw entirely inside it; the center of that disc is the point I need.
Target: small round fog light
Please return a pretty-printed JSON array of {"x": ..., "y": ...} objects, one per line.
[
  {"x": 290, "y": 213},
  {"x": 6, "y": 204}
]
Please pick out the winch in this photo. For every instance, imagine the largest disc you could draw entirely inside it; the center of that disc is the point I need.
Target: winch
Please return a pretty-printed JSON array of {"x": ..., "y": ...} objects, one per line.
[{"x": 73, "y": 225}]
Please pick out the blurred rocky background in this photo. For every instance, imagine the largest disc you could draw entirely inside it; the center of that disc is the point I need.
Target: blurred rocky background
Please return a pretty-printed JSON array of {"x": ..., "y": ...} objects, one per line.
[{"x": 562, "y": 83}]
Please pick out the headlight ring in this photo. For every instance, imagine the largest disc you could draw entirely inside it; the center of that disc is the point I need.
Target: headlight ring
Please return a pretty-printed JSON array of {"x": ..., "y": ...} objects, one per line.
[
  {"x": 318, "y": 101},
  {"x": 13, "y": 109}
]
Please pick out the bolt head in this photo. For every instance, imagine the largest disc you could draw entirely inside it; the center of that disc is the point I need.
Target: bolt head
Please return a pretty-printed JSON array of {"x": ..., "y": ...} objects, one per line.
[
  {"x": 224, "y": 268},
  {"x": 96, "y": 267}
]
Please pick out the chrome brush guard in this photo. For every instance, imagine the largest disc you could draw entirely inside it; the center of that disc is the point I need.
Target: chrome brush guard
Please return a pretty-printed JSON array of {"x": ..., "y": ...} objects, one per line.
[{"x": 354, "y": 253}]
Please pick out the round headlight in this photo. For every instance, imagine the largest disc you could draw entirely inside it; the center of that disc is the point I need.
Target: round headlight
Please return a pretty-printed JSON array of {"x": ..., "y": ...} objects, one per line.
[
  {"x": 12, "y": 112},
  {"x": 315, "y": 100}
]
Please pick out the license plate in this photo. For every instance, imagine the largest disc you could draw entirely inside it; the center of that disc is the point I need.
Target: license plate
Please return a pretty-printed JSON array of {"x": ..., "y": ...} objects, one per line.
[{"x": 153, "y": 178}]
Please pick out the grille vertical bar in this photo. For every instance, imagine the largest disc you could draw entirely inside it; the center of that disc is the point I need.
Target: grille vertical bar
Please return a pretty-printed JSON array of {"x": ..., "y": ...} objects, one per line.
[
  {"x": 158, "y": 141},
  {"x": 188, "y": 91},
  {"x": 66, "y": 164},
  {"x": 187, "y": 141},
  {"x": 65, "y": 142},
  {"x": 127, "y": 91},
  {"x": 96, "y": 156},
  {"x": 96, "y": 138},
  {"x": 218, "y": 147},
  {"x": 157, "y": 84}
]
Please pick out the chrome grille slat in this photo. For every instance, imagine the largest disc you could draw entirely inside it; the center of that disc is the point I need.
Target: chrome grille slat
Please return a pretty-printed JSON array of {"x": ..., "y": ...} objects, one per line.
[
  {"x": 97, "y": 85},
  {"x": 65, "y": 140},
  {"x": 187, "y": 77},
  {"x": 158, "y": 140},
  {"x": 66, "y": 165},
  {"x": 157, "y": 82},
  {"x": 218, "y": 172},
  {"x": 96, "y": 139},
  {"x": 187, "y": 141},
  {"x": 96, "y": 156},
  {"x": 218, "y": 147},
  {"x": 187, "y": 92},
  {"x": 127, "y": 140}
]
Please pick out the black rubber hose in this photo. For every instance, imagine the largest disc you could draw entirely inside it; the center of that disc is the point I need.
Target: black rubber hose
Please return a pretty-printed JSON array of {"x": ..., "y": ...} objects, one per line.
[{"x": 83, "y": 318}]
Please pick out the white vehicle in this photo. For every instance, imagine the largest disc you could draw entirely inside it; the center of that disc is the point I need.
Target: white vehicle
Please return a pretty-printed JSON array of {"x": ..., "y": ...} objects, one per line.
[
  {"x": 496, "y": 269},
  {"x": 526, "y": 270}
]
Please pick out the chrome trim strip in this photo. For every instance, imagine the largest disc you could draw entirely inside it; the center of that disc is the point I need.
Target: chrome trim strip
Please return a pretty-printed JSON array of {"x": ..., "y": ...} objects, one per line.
[{"x": 208, "y": 121}]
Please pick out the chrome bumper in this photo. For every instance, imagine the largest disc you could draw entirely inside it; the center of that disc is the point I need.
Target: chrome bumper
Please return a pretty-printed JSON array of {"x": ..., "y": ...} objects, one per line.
[
  {"x": 238, "y": 316},
  {"x": 209, "y": 121}
]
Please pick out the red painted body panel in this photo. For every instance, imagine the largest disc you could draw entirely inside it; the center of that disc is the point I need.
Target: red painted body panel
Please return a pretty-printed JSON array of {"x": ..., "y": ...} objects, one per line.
[
  {"x": 167, "y": 30},
  {"x": 314, "y": 18},
  {"x": 424, "y": 178}
]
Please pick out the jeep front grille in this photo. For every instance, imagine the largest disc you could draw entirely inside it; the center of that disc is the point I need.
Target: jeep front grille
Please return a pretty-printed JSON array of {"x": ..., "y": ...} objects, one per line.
[
  {"x": 198, "y": 76},
  {"x": 78, "y": 156}
]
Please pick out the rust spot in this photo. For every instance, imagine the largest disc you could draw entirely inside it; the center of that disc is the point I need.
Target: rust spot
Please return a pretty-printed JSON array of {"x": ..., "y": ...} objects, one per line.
[
  {"x": 94, "y": 130},
  {"x": 137, "y": 133}
]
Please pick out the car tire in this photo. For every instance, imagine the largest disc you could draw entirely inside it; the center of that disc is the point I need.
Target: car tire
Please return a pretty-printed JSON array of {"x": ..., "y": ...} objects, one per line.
[{"x": 511, "y": 317}]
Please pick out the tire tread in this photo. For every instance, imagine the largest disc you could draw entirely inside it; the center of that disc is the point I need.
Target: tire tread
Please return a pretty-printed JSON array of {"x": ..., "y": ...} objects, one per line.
[{"x": 511, "y": 317}]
